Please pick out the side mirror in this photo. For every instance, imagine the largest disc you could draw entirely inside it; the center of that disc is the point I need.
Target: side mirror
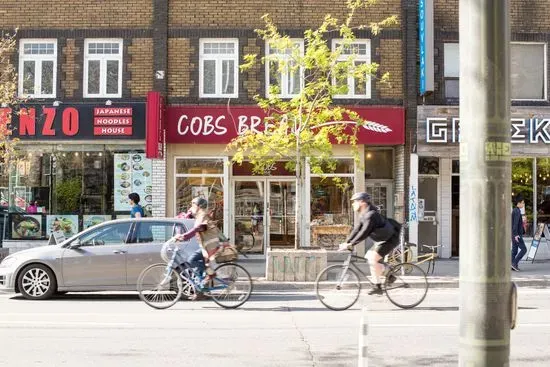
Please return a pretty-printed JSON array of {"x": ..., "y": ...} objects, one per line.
[{"x": 75, "y": 244}]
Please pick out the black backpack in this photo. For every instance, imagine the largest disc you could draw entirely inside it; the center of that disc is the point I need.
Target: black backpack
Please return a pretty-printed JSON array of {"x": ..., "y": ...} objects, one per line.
[{"x": 396, "y": 225}]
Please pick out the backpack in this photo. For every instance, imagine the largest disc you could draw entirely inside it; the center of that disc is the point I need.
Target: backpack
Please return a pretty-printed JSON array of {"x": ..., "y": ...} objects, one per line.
[{"x": 396, "y": 225}]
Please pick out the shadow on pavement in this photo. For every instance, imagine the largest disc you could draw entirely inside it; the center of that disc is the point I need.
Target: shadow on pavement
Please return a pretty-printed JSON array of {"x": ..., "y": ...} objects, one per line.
[{"x": 86, "y": 297}]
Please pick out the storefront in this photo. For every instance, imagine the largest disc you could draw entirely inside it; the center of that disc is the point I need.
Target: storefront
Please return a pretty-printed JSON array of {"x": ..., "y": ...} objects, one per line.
[
  {"x": 258, "y": 211},
  {"x": 435, "y": 173},
  {"x": 75, "y": 166}
]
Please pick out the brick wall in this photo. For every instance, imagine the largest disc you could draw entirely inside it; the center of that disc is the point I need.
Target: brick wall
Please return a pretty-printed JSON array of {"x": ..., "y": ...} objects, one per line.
[
  {"x": 391, "y": 60},
  {"x": 70, "y": 14},
  {"x": 252, "y": 83},
  {"x": 530, "y": 16},
  {"x": 70, "y": 69},
  {"x": 180, "y": 67},
  {"x": 140, "y": 66},
  {"x": 287, "y": 14}
]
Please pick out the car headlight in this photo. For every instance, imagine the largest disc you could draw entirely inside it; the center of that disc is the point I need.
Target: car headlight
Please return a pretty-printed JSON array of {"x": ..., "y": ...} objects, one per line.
[{"x": 8, "y": 261}]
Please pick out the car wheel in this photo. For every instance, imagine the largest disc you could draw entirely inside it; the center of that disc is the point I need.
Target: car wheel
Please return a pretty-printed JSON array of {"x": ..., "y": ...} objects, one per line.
[{"x": 37, "y": 282}]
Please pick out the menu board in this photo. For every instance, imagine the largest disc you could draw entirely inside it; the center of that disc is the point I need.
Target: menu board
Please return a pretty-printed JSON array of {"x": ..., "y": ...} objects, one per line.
[
  {"x": 132, "y": 174},
  {"x": 66, "y": 224},
  {"x": 26, "y": 226},
  {"x": 91, "y": 220}
]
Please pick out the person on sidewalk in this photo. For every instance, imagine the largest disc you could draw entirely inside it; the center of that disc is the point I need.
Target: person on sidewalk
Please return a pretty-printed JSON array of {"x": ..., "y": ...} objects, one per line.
[
  {"x": 382, "y": 231},
  {"x": 517, "y": 233},
  {"x": 136, "y": 210}
]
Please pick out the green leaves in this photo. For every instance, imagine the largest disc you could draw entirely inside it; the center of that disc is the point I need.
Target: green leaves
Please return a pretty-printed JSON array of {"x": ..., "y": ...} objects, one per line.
[{"x": 303, "y": 123}]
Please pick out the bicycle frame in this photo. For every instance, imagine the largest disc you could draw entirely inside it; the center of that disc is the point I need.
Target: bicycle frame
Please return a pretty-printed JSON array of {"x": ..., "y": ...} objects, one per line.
[{"x": 350, "y": 261}]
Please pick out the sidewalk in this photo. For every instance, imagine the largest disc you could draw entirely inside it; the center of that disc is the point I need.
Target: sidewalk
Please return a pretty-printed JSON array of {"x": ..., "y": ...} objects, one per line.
[{"x": 446, "y": 275}]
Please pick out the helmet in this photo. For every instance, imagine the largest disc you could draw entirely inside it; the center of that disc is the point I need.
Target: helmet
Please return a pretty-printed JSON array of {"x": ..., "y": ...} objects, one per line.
[
  {"x": 363, "y": 196},
  {"x": 201, "y": 202}
]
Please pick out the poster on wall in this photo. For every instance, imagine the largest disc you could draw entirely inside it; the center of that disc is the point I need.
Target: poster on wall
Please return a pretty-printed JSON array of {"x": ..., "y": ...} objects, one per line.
[
  {"x": 26, "y": 226},
  {"x": 132, "y": 174},
  {"x": 66, "y": 224},
  {"x": 92, "y": 220}
]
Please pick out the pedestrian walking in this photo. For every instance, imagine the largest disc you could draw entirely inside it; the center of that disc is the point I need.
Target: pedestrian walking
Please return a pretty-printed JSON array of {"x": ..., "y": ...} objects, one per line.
[{"x": 518, "y": 246}]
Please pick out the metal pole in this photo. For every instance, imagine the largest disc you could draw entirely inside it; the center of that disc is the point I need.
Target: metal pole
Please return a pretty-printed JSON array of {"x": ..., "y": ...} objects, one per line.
[{"x": 485, "y": 189}]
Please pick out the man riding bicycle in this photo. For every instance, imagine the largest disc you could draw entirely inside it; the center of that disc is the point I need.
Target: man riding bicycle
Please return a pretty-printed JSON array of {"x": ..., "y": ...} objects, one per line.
[
  {"x": 207, "y": 234},
  {"x": 374, "y": 225}
]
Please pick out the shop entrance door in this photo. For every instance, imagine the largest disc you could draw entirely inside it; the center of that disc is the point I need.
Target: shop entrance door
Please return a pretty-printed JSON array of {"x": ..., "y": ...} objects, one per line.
[
  {"x": 381, "y": 193},
  {"x": 249, "y": 203},
  {"x": 427, "y": 211},
  {"x": 281, "y": 209},
  {"x": 264, "y": 213}
]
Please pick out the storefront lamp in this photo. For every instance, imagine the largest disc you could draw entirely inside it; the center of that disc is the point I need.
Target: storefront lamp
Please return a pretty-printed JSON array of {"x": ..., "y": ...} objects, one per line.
[
  {"x": 108, "y": 102},
  {"x": 56, "y": 103}
]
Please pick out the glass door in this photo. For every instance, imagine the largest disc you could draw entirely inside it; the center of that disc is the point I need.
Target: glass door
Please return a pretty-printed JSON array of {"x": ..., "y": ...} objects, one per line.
[
  {"x": 382, "y": 196},
  {"x": 427, "y": 211},
  {"x": 249, "y": 201},
  {"x": 281, "y": 212}
]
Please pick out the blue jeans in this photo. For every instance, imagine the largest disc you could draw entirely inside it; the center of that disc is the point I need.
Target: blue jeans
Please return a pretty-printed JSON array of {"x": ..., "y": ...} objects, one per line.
[
  {"x": 196, "y": 260},
  {"x": 518, "y": 246}
]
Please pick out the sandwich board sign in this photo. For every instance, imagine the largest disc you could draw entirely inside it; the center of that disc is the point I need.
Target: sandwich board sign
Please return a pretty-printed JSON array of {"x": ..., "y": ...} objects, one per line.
[
  {"x": 541, "y": 228},
  {"x": 56, "y": 238}
]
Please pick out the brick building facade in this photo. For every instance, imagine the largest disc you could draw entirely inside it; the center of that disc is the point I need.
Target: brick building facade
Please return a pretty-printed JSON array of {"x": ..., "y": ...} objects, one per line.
[
  {"x": 160, "y": 46},
  {"x": 437, "y": 124}
]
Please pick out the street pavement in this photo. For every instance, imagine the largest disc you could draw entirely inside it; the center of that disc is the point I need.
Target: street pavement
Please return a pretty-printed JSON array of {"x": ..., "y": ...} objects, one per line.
[{"x": 272, "y": 329}]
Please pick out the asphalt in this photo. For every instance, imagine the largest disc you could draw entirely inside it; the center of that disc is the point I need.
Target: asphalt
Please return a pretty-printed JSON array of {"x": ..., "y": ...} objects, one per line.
[{"x": 446, "y": 275}]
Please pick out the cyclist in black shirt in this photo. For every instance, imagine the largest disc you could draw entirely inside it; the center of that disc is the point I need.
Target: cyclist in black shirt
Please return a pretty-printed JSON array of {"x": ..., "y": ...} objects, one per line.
[{"x": 374, "y": 225}]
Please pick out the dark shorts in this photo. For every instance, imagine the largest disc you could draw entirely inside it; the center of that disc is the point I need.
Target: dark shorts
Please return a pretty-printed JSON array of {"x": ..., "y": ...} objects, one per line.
[{"x": 383, "y": 248}]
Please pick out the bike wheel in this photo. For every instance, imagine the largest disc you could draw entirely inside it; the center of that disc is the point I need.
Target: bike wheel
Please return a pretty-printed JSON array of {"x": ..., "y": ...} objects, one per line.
[
  {"x": 159, "y": 286},
  {"x": 337, "y": 287},
  {"x": 406, "y": 285},
  {"x": 231, "y": 287}
]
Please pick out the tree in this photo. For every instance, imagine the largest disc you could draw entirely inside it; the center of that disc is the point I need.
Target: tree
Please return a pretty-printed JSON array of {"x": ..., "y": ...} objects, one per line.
[
  {"x": 307, "y": 125},
  {"x": 8, "y": 98}
]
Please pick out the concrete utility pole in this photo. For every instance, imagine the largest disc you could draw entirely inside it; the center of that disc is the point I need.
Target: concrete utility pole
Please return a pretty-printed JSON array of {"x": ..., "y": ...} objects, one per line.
[{"x": 485, "y": 188}]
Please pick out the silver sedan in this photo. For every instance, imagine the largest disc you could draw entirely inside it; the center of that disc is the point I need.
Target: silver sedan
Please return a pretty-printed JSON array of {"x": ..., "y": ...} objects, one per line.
[{"x": 108, "y": 256}]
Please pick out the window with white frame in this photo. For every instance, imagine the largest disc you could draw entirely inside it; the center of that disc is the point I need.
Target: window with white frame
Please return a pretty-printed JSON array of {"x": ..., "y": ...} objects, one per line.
[
  {"x": 103, "y": 68},
  {"x": 37, "y": 68},
  {"x": 451, "y": 61},
  {"x": 218, "y": 68},
  {"x": 527, "y": 70},
  {"x": 354, "y": 87},
  {"x": 282, "y": 71}
]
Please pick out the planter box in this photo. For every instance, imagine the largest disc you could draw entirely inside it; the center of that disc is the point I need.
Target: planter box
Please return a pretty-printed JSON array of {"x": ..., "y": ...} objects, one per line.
[{"x": 301, "y": 265}]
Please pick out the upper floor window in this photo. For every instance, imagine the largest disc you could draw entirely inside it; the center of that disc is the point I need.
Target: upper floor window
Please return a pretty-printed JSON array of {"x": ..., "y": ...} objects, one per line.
[
  {"x": 103, "y": 68},
  {"x": 282, "y": 71},
  {"x": 37, "y": 68},
  {"x": 218, "y": 68},
  {"x": 527, "y": 70},
  {"x": 352, "y": 86},
  {"x": 451, "y": 60}
]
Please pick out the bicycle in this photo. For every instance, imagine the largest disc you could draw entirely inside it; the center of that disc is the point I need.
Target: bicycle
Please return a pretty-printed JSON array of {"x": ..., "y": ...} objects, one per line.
[
  {"x": 338, "y": 286},
  {"x": 162, "y": 285},
  {"x": 422, "y": 258}
]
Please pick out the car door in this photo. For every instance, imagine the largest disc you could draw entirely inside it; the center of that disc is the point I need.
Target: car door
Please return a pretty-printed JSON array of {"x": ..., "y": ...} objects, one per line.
[
  {"x": 100, "y": 260},
  {"x": 147, "y": 240}
]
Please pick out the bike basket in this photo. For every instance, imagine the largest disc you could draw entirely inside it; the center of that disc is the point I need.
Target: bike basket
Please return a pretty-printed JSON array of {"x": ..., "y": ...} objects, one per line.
[{"x": 227, "y": 254}]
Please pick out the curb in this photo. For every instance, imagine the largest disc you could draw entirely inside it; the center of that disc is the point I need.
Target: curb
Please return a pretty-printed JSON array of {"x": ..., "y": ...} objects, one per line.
[{"x": 260, "y": 284}]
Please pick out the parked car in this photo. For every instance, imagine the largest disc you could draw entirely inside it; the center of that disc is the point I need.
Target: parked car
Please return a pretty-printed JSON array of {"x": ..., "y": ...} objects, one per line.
[{"x": 106, "y": 257}]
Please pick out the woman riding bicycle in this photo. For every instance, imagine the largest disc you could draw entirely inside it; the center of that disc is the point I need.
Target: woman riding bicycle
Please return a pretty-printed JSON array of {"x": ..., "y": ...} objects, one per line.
[
  {"x": 384, "y": 233},
  {"x": 207, "y": 234}
]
